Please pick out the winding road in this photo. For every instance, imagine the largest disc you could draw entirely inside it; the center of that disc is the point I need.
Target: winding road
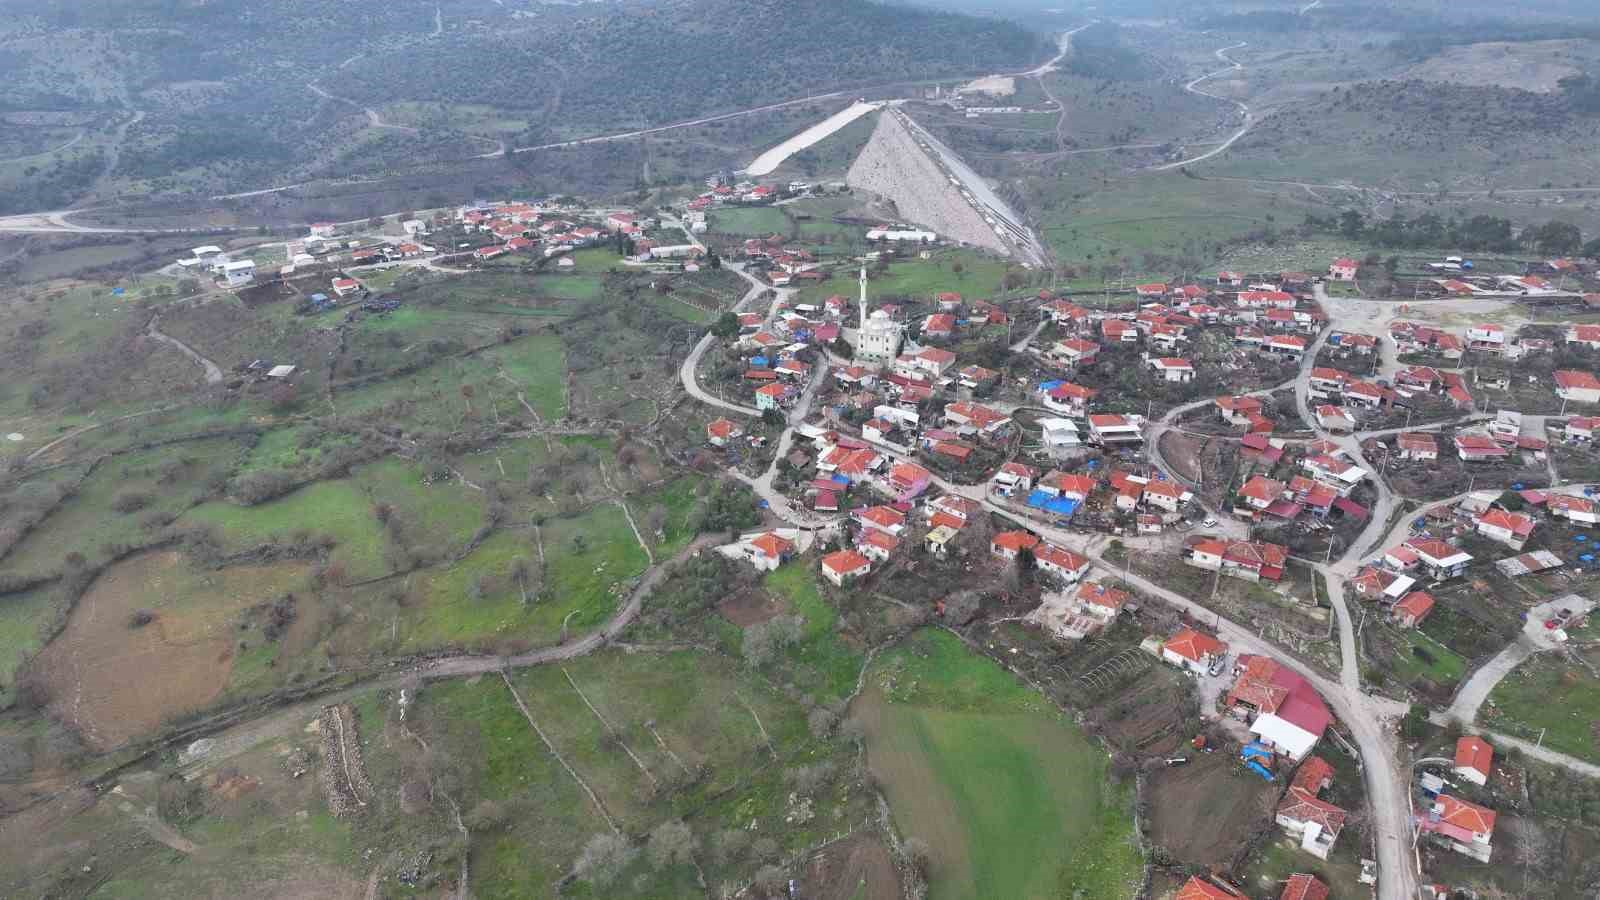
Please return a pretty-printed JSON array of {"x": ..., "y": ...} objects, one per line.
[{"x": 1193, "y": 87}]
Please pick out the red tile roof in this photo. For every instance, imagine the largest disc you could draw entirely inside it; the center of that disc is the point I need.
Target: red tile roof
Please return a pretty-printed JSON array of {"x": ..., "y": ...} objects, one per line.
[
  {"x": 1304, "y": 887},
  {"x": 1571, "y": 379},
  {"x": 1097, "y": 594},
  {"x": 1194, "y": 646},
  {"x": 1468, "y": 816},
  {"x": 1014, "y": 541},
  {"x": 771, "y": 545},
  {"x": 1197, "y": 888},
  {"x": 1473, "y": 752},
  {"x": 1415, "y": 606},
  {"x": 845, "y": 562}
]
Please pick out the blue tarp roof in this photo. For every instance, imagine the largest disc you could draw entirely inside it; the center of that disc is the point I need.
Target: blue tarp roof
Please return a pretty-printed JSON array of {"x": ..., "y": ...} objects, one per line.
[
  {"x": 840, "y": 479},
  {"x": 1050, "y": 385},
  {"x": 1049, "y": 502}
]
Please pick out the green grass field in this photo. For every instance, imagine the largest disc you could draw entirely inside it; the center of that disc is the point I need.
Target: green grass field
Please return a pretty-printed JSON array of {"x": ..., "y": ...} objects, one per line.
[
  {"x": 169, "y": 478},
  {"x": 753, "y": 221},
  {"x": 21, "y": 616},
  {"x": 824, "y": 663},
  {"x": 1543, "y": 694},
  {"x": 340, "y": 509},
  {"x": 1012, "y": 798},
  {"x": 980, "y": 277}
]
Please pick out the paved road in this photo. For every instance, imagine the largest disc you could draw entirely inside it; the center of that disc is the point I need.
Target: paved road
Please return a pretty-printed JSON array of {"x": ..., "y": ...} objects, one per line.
[
  {"x": 688, "y": 373},
  {"x": 1533, "y": 639}
]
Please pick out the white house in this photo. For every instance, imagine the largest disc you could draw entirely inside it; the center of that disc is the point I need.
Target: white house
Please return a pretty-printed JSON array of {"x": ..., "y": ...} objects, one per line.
[
  {"x": 844, "y": 566},
  {"x": 1192, "y": 651},
  {"x": 1474, "y": 759},
  {"x": 1171, "y": 368},
  {"x": 1509, "y": 528},
  {"x": 239, "y": 272},
  {"x": 1579, "y": 387},
  {"x": 1344, "y": 269},
  {"x": 1574, "y": 509}
]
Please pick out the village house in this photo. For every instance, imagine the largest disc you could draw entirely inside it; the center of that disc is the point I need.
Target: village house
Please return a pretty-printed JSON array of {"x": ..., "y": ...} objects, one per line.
[
  {"x": 876, "y": 545},
  {"x": 972, "y": 418},
  {"x": 1249, "y": 560},
  {"x": 720, "y": 431},
  {"x": 768, "y": 551},
  {"x": 1344, "y": 269},
  {"x": 1314, "y": 822},
  {"x": 1066, "y": 397},
  {"x": 905, "y": 481},
  {"x": 1249, "y": 336},
  {"x": 1374, "y": 583},
  {"x": 1060, "y": 562},
  {"x": 1288, "y": 346},
  {"x": 1415, "y": 445},
  {"x": 1486, "y": 337},
  {"x": 1366, "y": 395},
  {"x": 1067, "y": 486},
  {"x": 1166, "y": 336},
  {"x": 1412, "y": 609},
  {"x": 1325, "y": 381},
  {"x": 1359, "y": 344},
  {"x": 1441, "y": 560},
  {"x": 1335, "y": 418},
  {"x": 931, "y": 362},
  {"x": 774, "y": 396},
  {"x": 1478, "y": 448},
  {"x": 1587, "y": 335},
  {"x": 1466, "y": 828},
  {"x": 1119, "y": 332},
  {"x": 1257, "y": 495},
  {"x": 1284, "y": 711},
  {"x": 1509, "y": 528},
  {"x": 1171, "y": 368},
  {"x": 844, "y": 566},
  {"x": 1579, "y": 387},
  {"x": 1151, "y": 291},
  {"x": 1073, "y": 352},
  {"x": 1192, "y": 651},
  {"x": 1580, "y": 429},
  {"x": 1302, "y": 886},
  {"x": 344, "y": 287},
  {"x": 1007, "y": 544},
  {"x": 1101, "y": 602},
  {"x": 1334, "y": 472},
  {"x": 1264, "y": 300},
  {"x": 1238, "y": 410},
  {"x": 1230, "y": 279},
  {"x": 1198, "y": 888},
  {"x": 1574, "y": 509},
  {"x": 1013, "y": 478},
  {"x": 1111, "y": 430},
  {"x": 880, "y": 518},
  {"x": 1474, "y": 759},
  {"x": 1166, "y": 495}
]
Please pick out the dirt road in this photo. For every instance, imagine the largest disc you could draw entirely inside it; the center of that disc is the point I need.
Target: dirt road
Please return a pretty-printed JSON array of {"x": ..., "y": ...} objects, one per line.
[
  {"x": 1193, "y": 87},
  {"x": 213, "y": 371}
]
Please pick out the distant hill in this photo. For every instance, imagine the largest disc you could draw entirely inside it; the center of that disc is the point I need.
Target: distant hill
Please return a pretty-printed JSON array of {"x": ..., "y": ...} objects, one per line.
[{"x": 229, "y": 89}]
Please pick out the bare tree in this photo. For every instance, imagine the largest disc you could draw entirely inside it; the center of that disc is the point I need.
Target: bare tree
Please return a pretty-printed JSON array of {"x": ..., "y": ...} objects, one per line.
[
  {"x": 671, "y": 843},
  {"x": 603, "y": 859}
]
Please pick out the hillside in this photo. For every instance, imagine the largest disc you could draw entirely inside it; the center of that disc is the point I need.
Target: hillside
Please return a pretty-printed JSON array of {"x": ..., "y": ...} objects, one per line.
[
  {"x": 140, "y": 97},
  {"x": 1415, "y": 135}
]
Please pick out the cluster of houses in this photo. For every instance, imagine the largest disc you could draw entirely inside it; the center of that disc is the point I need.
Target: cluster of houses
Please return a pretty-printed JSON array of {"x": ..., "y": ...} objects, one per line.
[
  {"x": 1300, "y": 886},
  {"x": 1460, "y": 825},
  {"x": 1322, "y": 487},
  {"x": 1266, "y": 317},
  {"x": 1155, "y": 500},
  {"x": 553, "y": 231},
  {"x": 723, "y": 191}
]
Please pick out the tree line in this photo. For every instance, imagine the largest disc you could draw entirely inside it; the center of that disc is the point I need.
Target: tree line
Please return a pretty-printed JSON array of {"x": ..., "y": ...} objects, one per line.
[{"x": 1480, "y": 232}]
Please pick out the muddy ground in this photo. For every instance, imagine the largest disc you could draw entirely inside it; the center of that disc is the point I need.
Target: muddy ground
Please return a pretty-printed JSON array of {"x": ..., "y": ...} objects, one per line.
[{"x": 1203, "y": 812}]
